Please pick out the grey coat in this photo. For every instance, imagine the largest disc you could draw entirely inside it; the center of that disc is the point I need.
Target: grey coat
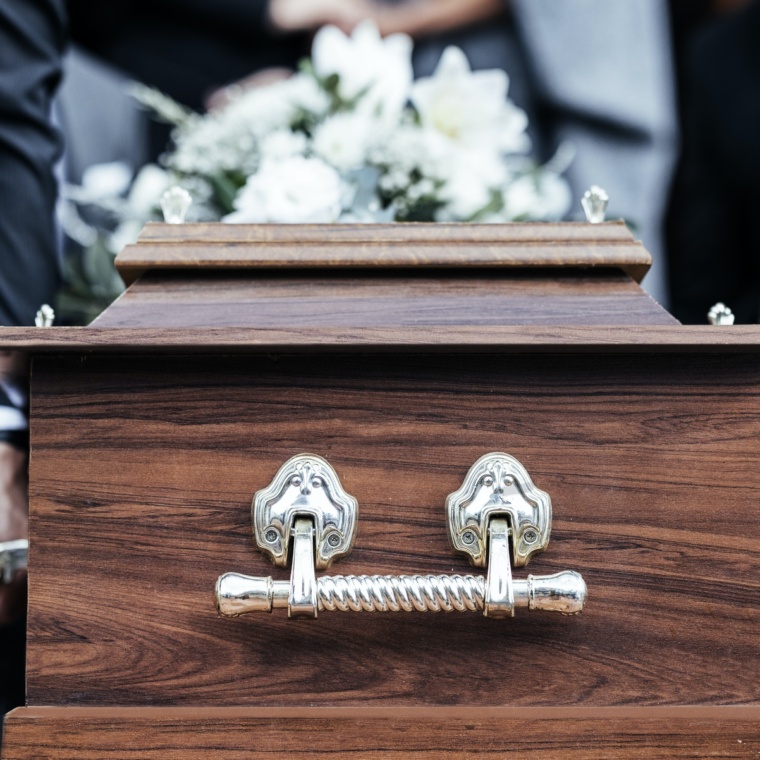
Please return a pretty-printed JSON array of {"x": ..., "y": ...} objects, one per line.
[{"x": 597, "y": 74}]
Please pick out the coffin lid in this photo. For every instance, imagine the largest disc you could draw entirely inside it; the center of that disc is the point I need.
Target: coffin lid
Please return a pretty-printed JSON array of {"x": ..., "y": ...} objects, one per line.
[{"x": 369, "y": 246}]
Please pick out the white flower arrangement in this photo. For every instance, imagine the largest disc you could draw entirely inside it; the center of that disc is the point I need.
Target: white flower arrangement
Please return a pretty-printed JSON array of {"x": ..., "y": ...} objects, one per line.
[{"x": 349, "y": 138}]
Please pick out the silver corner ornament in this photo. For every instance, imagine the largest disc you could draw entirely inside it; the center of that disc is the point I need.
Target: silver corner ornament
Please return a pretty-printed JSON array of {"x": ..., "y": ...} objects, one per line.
[
  {"x": 45, "y": 316},
  {"x": 594, "y": 203},
  {"x": 720, "y": 314},
  {"x": 175, "y": 203}
]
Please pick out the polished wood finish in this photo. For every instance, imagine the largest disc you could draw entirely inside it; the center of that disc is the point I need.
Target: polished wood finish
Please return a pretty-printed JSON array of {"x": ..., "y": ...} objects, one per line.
[
  {"x": 372, "y": 246},
  {"x": 401, "y": 354},
  {"x": 416, "y": 299},
  {"x": 416, "y": 734},
  {"x": 488, "y": 339},
  {"x": 143, "y": 471},
  {"x": 361, "y": 277}
]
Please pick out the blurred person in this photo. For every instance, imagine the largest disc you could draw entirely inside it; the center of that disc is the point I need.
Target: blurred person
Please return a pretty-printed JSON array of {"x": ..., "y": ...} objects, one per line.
[
  {"x": 32, "y": 41},
  {"x": 593, "y": 74},
  {"x": 603, "y": 81},
  {"x": 714, "y": 232},
  {"x": 480, "y": 27},
  {"x": 186, "y": 48},
  {"x": 190, "y": 49}
]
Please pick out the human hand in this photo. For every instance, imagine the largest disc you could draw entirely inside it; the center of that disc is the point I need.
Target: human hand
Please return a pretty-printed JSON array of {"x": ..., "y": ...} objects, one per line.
[
  {"x": 14, "y": 523},
  {"x": 306, "y": 15},
  {"x": 419, "y": 18},
  {"x": 225, "y": 95}
]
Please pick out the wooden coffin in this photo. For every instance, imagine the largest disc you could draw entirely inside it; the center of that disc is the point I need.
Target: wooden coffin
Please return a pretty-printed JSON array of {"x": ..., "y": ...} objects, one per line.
[{"x": 400, "y": 355}]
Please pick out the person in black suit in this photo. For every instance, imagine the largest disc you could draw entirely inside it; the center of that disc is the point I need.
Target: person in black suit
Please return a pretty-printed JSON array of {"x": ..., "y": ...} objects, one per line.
[
  {"x": 186, "y": 48},
  {"x": 191, "y": 49},
  {"x": 714, "y": 235},
  {"x": 32, "y": 42}
]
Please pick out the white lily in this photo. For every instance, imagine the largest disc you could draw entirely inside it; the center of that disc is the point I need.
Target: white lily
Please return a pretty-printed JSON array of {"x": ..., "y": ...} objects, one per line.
[
  {"x": 379, "y": 69},
  {"x": 470, "y": 106}
]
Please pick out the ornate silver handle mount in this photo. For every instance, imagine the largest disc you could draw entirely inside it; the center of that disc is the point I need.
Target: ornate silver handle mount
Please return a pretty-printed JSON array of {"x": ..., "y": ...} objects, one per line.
[{"x": 498, "y": 517}]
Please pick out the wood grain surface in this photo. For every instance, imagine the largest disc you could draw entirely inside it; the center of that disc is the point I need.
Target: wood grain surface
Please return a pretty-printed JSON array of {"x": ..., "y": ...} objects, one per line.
[
  {"x": 411, "y": 299},
  {"x": 569, "y": 734},
  {"x": 409, "y": 340},
  {"x": 409, "y": 232},
  {"x": 235, "y": 246},
  {"x": 142, "y": 472}
]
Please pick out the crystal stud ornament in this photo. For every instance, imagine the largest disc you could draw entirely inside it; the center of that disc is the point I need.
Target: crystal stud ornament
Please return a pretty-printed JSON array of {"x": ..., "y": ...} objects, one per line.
[
  {"x": 45, "y": 316},
  {"x": 720, "y": 314},
  {"x": 175, "y": 203},
  {"x": 594, "y": 203}
]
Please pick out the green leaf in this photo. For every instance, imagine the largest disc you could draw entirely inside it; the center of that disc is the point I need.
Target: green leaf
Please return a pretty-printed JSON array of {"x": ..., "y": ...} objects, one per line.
[
  {"x": 494, "y": 205},
  {"x": 225, "y": 191}
]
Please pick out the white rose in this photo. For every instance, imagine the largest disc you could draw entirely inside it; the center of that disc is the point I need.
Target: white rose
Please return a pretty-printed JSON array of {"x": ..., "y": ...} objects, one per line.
[
  {"x": 343, "y": 140},
  {"x": 294, "y": 190}
]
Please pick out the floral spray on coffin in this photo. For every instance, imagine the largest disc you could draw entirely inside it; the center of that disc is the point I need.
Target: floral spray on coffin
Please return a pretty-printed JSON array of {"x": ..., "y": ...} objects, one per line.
[{"x": 351, "y": 137}]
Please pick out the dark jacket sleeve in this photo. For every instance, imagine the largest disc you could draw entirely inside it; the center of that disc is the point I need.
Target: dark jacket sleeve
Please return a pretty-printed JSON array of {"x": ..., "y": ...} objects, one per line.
[
  {"x": 32, "y": 41},
  {"x": 231, "y": 16},
  {"x": 95, "y": 22}
]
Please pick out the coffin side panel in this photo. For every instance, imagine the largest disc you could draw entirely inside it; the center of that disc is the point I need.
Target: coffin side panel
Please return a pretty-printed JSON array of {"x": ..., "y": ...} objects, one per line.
[{"x": 143, "y": 471}]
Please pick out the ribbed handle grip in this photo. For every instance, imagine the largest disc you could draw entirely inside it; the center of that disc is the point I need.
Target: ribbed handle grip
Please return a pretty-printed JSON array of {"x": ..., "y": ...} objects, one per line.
[{"x": 401, "y": 593}]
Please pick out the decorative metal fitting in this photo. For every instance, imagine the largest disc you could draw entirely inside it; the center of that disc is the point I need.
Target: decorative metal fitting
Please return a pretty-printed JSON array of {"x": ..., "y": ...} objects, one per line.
[
  {"x": 497, "y": 516},
  {"x": 45, "y": 316},
  {"x": 498, "y": 485},
  {"x": 594, "y": 203},
  {"x": 305, "y": 486},
  {"x": 175, "y": 203},
  {"x": 720, "y": 314}
]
